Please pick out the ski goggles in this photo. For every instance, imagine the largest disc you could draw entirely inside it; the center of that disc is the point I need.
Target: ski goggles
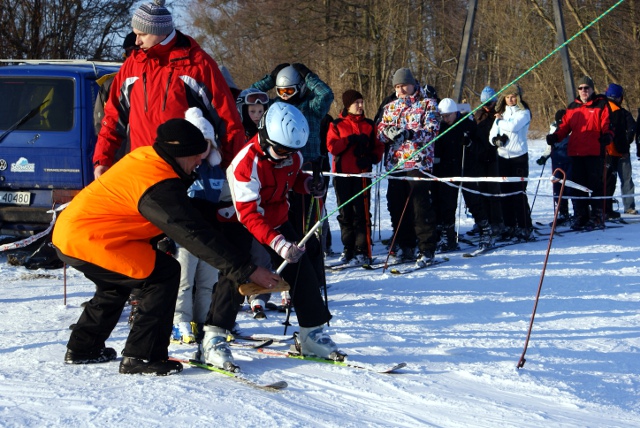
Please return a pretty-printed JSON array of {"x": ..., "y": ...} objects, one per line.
[
  {"x": 256, "y": 98},
  {"x": 281, "y": 150},
  {"x": 287, "y": 90}
]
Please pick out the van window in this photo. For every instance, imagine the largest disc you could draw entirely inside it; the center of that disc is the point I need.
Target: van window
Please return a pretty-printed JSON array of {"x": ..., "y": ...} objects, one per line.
[{"x": 51, "y": 102}]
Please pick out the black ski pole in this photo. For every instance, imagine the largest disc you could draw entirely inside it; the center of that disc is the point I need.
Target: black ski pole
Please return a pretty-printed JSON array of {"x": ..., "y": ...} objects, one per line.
[{"x": 393, "y": 240}]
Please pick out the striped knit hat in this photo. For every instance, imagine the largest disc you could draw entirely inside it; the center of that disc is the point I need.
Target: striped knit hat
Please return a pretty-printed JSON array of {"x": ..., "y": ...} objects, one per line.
[{"x": 153, "y": 18}]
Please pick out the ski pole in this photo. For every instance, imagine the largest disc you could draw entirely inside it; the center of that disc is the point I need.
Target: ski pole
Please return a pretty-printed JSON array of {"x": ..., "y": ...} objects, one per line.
[
  {"x": 544, "y": 267},
  {"x": 535, "y": 195},
  {"x": 393, "y": 240},
  {"x": 367, "y": 217},
  {"x": 464, "y": 151}
]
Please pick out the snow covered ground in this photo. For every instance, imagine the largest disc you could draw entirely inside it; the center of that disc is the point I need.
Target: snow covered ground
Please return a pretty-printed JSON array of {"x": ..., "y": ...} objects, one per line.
[{"x": 460, "y": 327}]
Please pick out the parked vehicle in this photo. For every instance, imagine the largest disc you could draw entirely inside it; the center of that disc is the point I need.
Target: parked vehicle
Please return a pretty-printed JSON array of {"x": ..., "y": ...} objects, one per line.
[{"x": 47, "y": 138}]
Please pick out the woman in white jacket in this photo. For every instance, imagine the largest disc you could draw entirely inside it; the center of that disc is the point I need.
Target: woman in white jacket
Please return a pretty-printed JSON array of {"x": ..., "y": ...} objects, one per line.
[{"x": 509, "y": 135}]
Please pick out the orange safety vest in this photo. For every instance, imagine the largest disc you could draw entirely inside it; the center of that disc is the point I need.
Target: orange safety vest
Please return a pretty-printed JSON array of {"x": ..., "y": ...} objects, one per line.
[{"x": 102, "y": 224}]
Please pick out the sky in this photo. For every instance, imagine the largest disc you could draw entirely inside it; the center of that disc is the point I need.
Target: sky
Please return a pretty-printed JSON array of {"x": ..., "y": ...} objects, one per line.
[{"x": 459, "y": 326}]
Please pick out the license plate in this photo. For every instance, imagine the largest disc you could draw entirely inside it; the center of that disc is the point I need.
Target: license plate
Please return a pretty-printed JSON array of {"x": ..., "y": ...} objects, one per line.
[{"x": 15, "y": 198}]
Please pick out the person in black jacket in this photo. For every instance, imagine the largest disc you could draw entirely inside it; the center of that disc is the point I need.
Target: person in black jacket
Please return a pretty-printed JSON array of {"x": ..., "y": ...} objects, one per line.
[
  {"x": 108, "y": 232},
  {"x": 456, "y": 153},
  {"x": 617, "y": 156}
]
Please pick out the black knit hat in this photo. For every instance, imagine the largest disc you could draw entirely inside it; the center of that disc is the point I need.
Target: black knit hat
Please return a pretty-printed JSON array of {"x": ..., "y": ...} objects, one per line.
[
  {"x": 349, "y": 97},
  {"x": 188, "y": 137}
]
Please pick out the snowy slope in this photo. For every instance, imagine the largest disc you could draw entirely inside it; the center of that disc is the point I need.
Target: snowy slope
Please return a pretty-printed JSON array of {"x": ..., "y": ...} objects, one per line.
[{"x": 460, "y": 327}]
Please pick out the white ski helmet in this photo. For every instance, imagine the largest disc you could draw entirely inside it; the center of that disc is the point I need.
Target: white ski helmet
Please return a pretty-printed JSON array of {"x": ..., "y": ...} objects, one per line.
[
  {"x": 283, "y": 126},
  {"x": 447, "y": 105},
  {"x": 289, "y": 80}
]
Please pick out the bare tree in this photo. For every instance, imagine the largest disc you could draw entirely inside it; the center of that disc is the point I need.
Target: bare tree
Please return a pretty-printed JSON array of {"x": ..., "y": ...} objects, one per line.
[
  {"x": 359, "y": 43},
  {"x": 63, "y": 29}
]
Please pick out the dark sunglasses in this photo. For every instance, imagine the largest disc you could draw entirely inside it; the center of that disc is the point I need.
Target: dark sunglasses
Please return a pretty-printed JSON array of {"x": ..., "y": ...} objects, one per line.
[{"x": 584, "y": 88}]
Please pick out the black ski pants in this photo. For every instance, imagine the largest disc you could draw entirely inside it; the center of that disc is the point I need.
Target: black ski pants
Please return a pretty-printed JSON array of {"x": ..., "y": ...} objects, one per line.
[
  {"x": 302, "y": 277},
  {"x": 354, "y": 218},
  {"x": 589, "y": 172},
  {"x": 515, "y": 208},
  {"x": 418, "y": 222},
  {"x": 150, "y": 333}
]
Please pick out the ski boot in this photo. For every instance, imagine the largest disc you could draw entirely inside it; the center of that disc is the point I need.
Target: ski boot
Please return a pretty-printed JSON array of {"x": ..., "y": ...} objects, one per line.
[
  {"x": 214, "y": 349},
  {"x": 182, "y": 332},
  {"x": 313, "y": 341}
]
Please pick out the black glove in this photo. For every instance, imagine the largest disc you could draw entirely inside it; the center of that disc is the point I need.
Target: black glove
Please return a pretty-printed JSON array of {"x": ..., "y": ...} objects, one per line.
[
  {"x": 316, "y": 187},
  {"x": 605, "y": 140},
  {"x": 552, "y": 139},
  {"x": 274, "y": 73},
  {"x": 167, "y": 246},
  {"x": 353, "y": 139},
  {"x": 302, "y": 69},
  {"x": 362, "y": 147},
  {"x": 364, "y": 162},
  {"x": 466, "y": 139},
  {"x": 542, "y": 160},
  {"x": 500, "y": 140}
]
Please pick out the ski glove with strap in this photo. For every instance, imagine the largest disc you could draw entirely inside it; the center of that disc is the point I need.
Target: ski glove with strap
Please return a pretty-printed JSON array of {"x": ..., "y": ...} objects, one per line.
[
  {"x": 287, "y": 250},
  {"x": 542, "y": 160}
]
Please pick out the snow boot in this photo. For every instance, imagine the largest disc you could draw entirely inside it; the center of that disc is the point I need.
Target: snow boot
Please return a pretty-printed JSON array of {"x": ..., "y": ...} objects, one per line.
[
  {"x": 314, "y": 341},
  {"x": 214, "y": 348},
  {"x": 130, "y": 365},
  {"x": 102, "y": 355}
]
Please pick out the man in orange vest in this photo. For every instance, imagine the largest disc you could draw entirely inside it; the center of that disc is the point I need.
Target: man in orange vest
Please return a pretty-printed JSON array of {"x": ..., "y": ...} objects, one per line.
[{"x": 108, "y": 232}]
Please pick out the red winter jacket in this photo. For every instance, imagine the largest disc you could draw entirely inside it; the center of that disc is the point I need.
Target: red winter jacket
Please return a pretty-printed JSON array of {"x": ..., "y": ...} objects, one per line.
[
  {"x": 159, "y": 84},
  {"x": 260, "y": 188},
  {"x": 586, "y": 122},
  {"x": 344, "y": 158}
]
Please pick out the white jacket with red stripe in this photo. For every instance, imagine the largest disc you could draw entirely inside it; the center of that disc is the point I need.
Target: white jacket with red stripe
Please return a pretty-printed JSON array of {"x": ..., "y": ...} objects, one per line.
[{"x": 260, "y": 187}]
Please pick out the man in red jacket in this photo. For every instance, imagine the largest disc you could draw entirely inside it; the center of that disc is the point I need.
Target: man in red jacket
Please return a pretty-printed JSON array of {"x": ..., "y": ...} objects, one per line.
[
  {"x": 587, "y": 120},
  {"x": 167, "y": 75}
]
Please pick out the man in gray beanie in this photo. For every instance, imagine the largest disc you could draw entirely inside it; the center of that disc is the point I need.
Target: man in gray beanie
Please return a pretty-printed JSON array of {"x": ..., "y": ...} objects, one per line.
[
  {"x": 167, "y": 75},
  {"x": 407, "y": 126}
]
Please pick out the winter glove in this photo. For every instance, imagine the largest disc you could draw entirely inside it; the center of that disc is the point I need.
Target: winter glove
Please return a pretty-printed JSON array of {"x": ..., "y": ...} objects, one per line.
[
  {"x": 274, "y": 73},
  {"x": 316, "y": 187},
  {"x": 354, "y": 139},
  {"x": 398, "y": 135},
  {"x": 466, "y": 139},
  {"x": 500, "y": 140},
  {"x": 542, "y": 160},
  {"x": 552, "y": 139},
  {"x": 362, "y": 148},
  {"x": 287, "y": 250},
  {"x": 302, "y": 69},
  {"x": 167, "y": 246},
  {"x": 365, "y": 162},
  {"x": 605, "y": 140}
]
